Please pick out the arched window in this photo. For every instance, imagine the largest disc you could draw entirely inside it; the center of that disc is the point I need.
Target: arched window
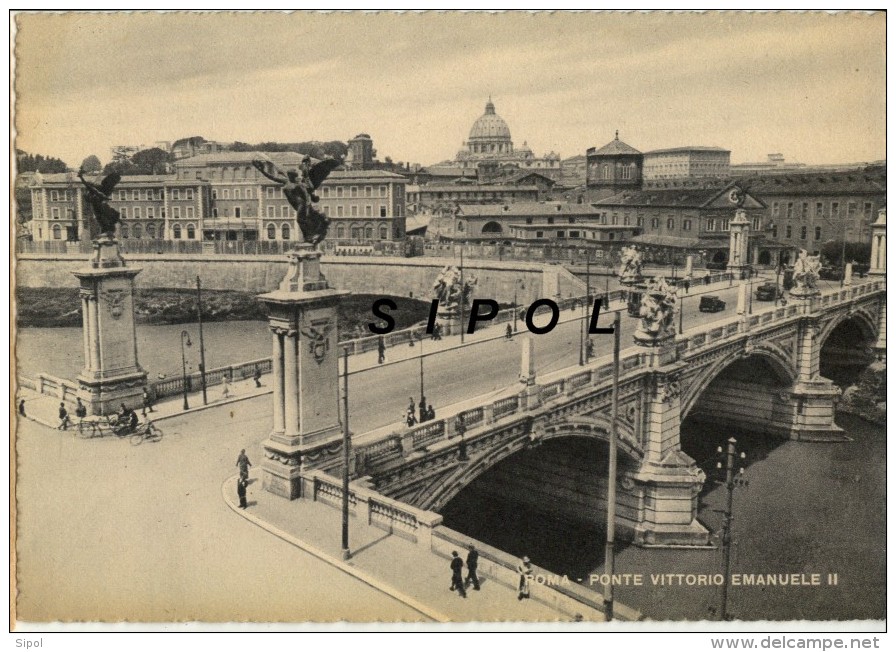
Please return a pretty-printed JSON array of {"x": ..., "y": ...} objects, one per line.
[
  {"x": 284, "y": 231},
  {"x": 340, "y": 232},
  {"x": 460, "y": 226},
  {"x": 177, "y": 231},
  {"x": 57, "y": 232},
  {"x": 191, "y": 232},
  {"x": 356, "y": 232},
  {"x": 384, "y": 232},
  {"x": 605, "y": 172},
  {"x": 124, "y": 231},
  {"x": 138, "y": 232},
  {"x": 150, "y": 231},
  {"x": 272, "y": 232},
  {"x": 368, "y": 232}
]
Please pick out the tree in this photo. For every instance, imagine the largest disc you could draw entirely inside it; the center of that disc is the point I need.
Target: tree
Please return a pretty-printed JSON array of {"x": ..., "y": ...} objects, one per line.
[
  {"x": 38, "y": 163},
  {"x": 91, "y": 164},
  {"x": 151, "y": 161},
  {"x": 859, "y": 252}
]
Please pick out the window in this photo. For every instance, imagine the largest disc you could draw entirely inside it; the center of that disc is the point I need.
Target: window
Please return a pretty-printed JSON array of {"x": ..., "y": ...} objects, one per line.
[
  {"x": 383, "y": 192},
  {"x": 135, "y": 195},
  {"x": 615, "y": 220},
  {"x": 382, "y": 211},
  {"x": 835, "y": 209},
  {"x": 150, "y": 231},
  {"x": 368, "y": 191},
  {"x": 284, "y": 211},
  {"x": 867, "y": 210},
  {"x": 284, "y": 232},
  {"x": 176, "y": 231},
  {"x": 354, "y": 211},
  {"x": 539, "y": 234},
  {"x": 237, "y": 193},
  {"x": 774, "y": 230},
  {"x": 54, "y": 196},
  {"x": 124, "y": 231},
  {"x": 368, "y": 211},
  {"x": 124, "y": 211},
  {"x": 215, "y": 193},
  {"x": 384, "y": 232},
  {"x": 550, "y": 220},
  {"x": 724, "y": 225},
  {"x": 340, "y": 232},
  {"x": 626, "y": 172},
  {"x": 460, "y": 226},
  {"x": 270, "y": 211},
  {"x": 803, "y": 233},
  {"x": 626, "y": 220},
  {"x": 226, "y": 193},
  {"x": 325, "y": 191},
  {"x": 757, "y": 223},
  {"x": 150, "y": 212},
  {"x": 122, "y": 195},
  {"x": 175, "y": 212},
  {"x": 368, "y": 232},
  {"x": 55, "y": 213},
  {"x": 268, "y": 192},
  {"x": 354, "y": 190},
  {"x": 272, "y": 232},
  {"x": 788, "y": 232},
  {"x": 819, "y": 209},
  {"x": 340, "y": 192},
  {"x": 805, "y": 213},
  {"x": 57, "y": 232},
  {"x": 561, "y": 235},
  {"x": 237, "y": 211},
  {"x": 573, "y": 234},
  {"x": 175, "y": 194},
  {"x": 670, "y": 224},
  {"x": 686, "y": 225},
  {"x": 189, "y": 211},
  {"x": 818, "y": 233},
  {"x": 248, "y": 193},
  {"x": 654, "y": 223},
  {"x": 189, "y": 193},
  {"x": 137, "y": 212},
  {"x": 214, "y": 212},
  {"x": 851, "y": 209},
  {"x": 612, "y": 236},
  {"x": 191, "y": 232},
  {"x": 605, "y": 172},
  {"x": 711, "y": 224},
  {"x": 789, "y": 210},
  {"x": 640, "y": 220},
  {"x": 138, "y": 232},
  {"x": 356, "y": 232}
]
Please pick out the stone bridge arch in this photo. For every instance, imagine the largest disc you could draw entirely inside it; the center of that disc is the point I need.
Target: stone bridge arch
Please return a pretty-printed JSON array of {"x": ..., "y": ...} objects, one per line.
[
  {"x": 861, "y": 317},
  {"x": 443, "y": 489}
]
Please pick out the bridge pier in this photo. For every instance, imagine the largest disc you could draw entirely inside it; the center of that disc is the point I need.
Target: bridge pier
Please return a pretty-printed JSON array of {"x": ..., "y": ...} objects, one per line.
[{"x": 307, "y": 432}]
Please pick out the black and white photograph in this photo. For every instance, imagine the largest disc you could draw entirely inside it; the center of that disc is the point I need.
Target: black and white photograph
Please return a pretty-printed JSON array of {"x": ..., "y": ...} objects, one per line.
[{"x": 434, "y": 318}]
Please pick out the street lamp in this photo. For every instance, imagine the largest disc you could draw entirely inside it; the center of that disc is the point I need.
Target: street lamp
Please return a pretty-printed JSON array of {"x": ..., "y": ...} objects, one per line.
[
  {"x": 422, "y": 395},
  {"x": 185, "y": 342},
  {"x": 732, "y": 480}
]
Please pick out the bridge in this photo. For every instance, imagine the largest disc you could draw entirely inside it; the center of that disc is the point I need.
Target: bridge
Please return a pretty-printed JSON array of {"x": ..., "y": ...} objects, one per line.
[{"x": 759, "y": 371}]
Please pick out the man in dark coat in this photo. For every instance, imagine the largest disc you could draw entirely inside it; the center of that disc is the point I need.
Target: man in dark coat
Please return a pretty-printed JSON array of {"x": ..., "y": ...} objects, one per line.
[
  {"x": 472, "y": 565},
  {"x": 457, "y": 578},
  {"x": 243, "y": 464},
  {"x": 241, "y": 492},
  {"x": 381, "y": 350}
]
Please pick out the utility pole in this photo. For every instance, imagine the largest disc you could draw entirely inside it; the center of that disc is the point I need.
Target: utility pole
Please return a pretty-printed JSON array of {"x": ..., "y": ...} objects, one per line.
[
  {"x": 462, "y": 294},
  {"x": 346, "y": 444},
  {"x": 201, "y": 341},
  {"x": 609, "y": 558}
]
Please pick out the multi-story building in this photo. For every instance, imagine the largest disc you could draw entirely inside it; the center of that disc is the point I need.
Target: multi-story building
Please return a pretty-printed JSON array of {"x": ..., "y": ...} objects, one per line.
[
  {"x": 686, "y": 163},
  {"x": 433, "y": 196},
  {"x": 613, "y": 168},
  {"x": 222, "y": 196}
]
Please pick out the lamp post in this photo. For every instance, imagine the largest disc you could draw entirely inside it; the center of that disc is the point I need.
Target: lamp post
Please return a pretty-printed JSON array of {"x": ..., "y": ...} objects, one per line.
[
  {"x": 201, "y": 340},
  {"x": 609, "y": 552},
  {"x": 514, "y": 308},
  {"x": 462, "y": 294},
  {"x": 346, "y": 445},
  {"x": 422, "y": 394},
  {"x": 731, "y": 481},
  {"x": 184, "y": 342}
]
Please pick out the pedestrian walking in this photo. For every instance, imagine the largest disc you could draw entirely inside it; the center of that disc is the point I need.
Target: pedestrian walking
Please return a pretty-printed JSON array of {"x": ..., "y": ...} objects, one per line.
[
  {"x": 589, "y": 349},
  {"x": 472, "y": 565},
  {"x": 430, "y": 413},
  {"x": 437, "y": 332},
  {"x": 147, "y": 401},
  {"x": 80, "y": 412},
  {"x": 457, "y": 578},
  {"x": 525, "y": 571},
  {"x": 687, "y": 285},
  {"x": 422, "y": 408},
  {"x": 241, "y": 484},
  {"x": 22, "y": 407},
  {"x": 706, "y": 279},
  {"x": 257, "y": 377},
  {"x": 225, "y": 387},
  {"x": 508, "y": 333},
  {"x": 243, "y": 464},
  {"x": 381, "y": 350},
  {"x": 63, "y": 417}
]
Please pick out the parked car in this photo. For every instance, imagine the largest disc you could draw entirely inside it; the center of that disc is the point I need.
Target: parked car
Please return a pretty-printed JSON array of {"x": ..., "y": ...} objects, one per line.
[
  {"x": 711, "y": 303},
  {"x": 767, "y": 292}
]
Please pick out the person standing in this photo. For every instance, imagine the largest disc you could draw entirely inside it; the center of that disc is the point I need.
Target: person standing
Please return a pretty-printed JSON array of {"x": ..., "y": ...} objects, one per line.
[
  {"x": 509, "y": 332},
  {"x": 381, "y": 349},
  {"x": 472, "y": 565},
  {"x": 526, "y": 574},
  {"x": 147, "y": 402},
  {"x": 457, "y": 578},
  {"x": 257, "y": 377},
  {"x": 63, "y": 417},
  {"x": 225, "y": 387},
  {"x": 241, "y": 484},
  {"x": 430, "y": 413},
  {"x": 243, "y": 464},
  {"x": 80, "y": 412},
  {"x": 22, "y": 407},
  {"x": 422, "y": 408},
  {"x": 687, "y": 285}
]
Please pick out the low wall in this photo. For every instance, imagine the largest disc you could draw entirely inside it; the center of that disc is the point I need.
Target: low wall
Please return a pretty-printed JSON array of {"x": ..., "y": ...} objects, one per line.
[{"x": 415, "y": 277}]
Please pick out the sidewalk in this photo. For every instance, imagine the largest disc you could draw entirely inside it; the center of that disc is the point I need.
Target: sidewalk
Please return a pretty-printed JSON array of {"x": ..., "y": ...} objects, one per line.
[{"x": 395, "y": 566}]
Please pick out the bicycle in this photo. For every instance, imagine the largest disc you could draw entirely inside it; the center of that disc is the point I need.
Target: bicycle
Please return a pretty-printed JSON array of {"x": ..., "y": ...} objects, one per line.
[{"x": 146, "y": 432}]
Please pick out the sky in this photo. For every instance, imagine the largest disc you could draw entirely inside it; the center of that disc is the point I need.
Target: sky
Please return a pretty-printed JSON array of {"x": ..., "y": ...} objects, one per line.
[{"x": 811, "y": 86}]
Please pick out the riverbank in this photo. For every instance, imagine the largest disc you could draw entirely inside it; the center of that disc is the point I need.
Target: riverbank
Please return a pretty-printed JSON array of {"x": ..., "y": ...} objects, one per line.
[
  {"x": 867, "y": 398},
  {"x": 61, "y": 307}
]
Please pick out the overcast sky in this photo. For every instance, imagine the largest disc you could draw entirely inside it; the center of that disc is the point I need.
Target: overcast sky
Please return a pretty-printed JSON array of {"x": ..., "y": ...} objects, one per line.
[{"x": 810, "y": 86}]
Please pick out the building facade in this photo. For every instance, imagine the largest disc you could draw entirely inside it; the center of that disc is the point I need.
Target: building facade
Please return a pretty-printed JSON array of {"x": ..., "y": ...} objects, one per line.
[
  {"x": 612, "y": 168},
  {"x": 687, "y": 163},
  {"x": 432, "y": 196},
  {"x": 222, "y": 196}
]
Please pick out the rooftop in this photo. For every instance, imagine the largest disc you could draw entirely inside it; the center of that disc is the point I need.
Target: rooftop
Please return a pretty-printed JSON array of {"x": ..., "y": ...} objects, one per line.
[
  {"x": 674, "y": 197},
  {"x": 694, "y": 148},
  {"x": 527, "y": 209},
  {"x": 614, "y": 147}
]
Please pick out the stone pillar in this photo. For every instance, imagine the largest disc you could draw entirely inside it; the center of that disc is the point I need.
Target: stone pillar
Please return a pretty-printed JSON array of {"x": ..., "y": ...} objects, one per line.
[
  {"x": 847, "y": 274},
  {"x": 738, "y": 240},
  {"x": 689, "y": 266},
  {"x": 880, "y": 346},
  {"x": 879, "y": 244},
  {"x": 307, "y": 432},
  {"x": 112, "y": 374},
  {"x": 742, "y": 298},
  {"x": 532, "y": 392}
]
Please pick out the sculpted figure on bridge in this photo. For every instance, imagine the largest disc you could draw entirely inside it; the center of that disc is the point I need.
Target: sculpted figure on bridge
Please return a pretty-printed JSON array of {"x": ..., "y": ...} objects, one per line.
[
  {"x": 98, "y": 196},
  {"x": 300, "y": 193},
  {"x": 630, "y": 265},
  {"x": 806, "y": 271},
  {"x": 447, "y": 288},
  {"x": 658, "y": 307}
]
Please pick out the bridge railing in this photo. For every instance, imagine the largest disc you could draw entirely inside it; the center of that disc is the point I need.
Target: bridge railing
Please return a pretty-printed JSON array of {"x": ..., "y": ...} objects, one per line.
[{"x": 65, "y": 390}]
